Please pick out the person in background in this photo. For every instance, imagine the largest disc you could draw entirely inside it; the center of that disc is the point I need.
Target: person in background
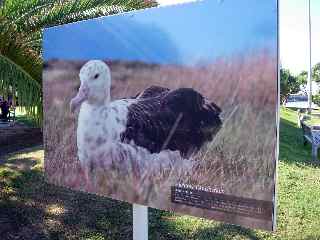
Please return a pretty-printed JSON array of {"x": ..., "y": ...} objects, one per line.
[
  {"x": 0, "y": 108},
  {"x": 4, "y": 106}
]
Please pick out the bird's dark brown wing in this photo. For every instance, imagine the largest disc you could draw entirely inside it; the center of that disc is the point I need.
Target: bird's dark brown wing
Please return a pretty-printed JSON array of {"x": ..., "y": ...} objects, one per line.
[
  {"x": 152, "y": 91},
  {"x": 175, "y": 120}
]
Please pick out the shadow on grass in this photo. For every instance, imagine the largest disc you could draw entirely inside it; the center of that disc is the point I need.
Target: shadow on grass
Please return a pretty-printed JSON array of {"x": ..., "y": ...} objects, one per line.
[
  {"x": 225, "y": 231},
  {"x": 20, "y": 142},
  {"x": 26, "y": 120},
  {"x": 30, "y": 208},
  {"x": 163, "y": 225},
  {"x": 292, "y": 150},
  {"x": 21, "y": 164}
]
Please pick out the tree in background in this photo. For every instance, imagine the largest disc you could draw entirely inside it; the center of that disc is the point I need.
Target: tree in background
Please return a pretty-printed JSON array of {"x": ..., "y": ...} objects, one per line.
[
  {"x": 316, "y": 72},
  {"x": 288, "y": 84},
  {"x": 21, "y": 25},
  {"x": 302, "y": 78},
  {"x": 316, "y": 78}
]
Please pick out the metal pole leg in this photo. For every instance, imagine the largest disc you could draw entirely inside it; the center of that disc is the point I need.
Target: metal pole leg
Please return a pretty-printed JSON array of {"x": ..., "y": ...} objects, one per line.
[
  {"x": 140, "y": 222},
  {"x": 314, "y": 153}
]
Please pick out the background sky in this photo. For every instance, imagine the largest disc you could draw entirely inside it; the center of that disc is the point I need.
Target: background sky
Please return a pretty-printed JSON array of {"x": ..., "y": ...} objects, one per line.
[
  {"x": 191, "y": 33},
  {"x": 294, "y": 34}
]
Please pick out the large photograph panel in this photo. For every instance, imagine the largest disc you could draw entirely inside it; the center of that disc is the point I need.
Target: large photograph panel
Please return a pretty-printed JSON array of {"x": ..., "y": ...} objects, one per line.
[{"x": 173, "y": 108}]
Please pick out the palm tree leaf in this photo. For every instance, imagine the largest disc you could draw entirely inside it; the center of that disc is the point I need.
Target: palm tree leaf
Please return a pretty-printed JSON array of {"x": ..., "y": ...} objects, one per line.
[
  {"x": 13, "y": 45},
  {"x": 28, "y": 90},
  {"x": 34, "y": 15}
]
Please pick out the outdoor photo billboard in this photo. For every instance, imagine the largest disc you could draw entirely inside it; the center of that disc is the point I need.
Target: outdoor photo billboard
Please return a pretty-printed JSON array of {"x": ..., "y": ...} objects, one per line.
[{"x": 173, "y": 107}]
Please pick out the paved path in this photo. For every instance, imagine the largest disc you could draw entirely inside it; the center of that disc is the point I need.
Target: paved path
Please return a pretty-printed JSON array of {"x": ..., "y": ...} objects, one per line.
[
  {"x": 14, "y": 137},
  {"x": 4, "y": 124}
]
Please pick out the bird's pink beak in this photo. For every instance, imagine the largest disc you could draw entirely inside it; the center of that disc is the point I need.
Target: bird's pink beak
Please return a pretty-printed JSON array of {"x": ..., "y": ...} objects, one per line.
[{"x": 81, "y": 96}]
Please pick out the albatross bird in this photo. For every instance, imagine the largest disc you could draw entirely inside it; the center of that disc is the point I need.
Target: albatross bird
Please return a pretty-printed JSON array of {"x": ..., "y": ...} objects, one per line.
[
  {"x": 156, "y": 119},
  {"x": 100, "y": 121}
]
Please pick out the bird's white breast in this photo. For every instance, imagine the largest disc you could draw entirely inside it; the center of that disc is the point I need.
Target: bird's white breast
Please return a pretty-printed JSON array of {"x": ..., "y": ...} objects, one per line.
[{"x": 98, "y": 126}]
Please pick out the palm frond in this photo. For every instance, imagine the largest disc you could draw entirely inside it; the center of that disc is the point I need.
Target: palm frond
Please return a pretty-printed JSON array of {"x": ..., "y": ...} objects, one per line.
[
  {"x": 16, "y": 81},
  {"x": 15, "y": 46},
  {"x": 34, "y": 15}
]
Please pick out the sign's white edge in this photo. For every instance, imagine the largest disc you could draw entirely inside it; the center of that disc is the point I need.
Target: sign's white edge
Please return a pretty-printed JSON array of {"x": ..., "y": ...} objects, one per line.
[{"x": 275, "y": 195}]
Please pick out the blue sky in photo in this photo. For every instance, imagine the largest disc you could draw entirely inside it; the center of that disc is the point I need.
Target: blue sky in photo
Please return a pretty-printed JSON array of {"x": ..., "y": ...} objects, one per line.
[{"x": 188, "y": 34}]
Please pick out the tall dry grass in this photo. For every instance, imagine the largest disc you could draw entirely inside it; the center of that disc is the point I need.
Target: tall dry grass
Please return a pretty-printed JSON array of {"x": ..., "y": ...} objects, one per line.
[{"x": 240, "y": 160}]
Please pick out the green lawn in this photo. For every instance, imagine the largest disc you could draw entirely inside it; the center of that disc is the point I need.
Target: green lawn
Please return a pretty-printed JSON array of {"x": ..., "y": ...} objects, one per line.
[{"x": 37, "y": 210}]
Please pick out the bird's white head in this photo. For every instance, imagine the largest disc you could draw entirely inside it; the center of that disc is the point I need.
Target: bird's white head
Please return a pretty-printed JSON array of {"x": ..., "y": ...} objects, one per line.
[{"x": 95, "y": 84}]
